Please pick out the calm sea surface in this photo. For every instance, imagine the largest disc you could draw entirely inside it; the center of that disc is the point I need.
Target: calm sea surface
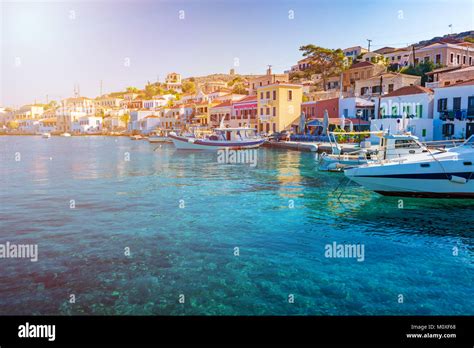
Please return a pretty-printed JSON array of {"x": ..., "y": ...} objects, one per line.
[{"x": 134, "y": 205}]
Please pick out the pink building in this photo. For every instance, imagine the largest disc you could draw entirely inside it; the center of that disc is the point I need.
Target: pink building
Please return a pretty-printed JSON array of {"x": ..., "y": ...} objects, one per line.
[{"x": 244, "y": 112}]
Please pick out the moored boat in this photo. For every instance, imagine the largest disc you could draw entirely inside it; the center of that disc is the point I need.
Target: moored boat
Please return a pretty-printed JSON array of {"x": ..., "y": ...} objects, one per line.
[
  {"x": 159, "y": 137},
  {"x": 232, "y": 138},
  {"x": 46, "y": 135},
  {"x": 391, "y": 146},
  {"x": 435, "y": 173},
  {"x": 65, "y": 134}
]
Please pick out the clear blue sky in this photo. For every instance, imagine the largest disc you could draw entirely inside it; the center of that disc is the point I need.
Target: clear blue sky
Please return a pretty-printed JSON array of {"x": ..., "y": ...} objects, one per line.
[{"x": 48, "y": 47}]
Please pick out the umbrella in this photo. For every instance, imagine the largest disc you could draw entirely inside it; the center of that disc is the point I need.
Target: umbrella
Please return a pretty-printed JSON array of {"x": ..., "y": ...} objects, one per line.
[
  {"x": 351, "y": 127},
  {"x": 343, "y": 122},
  {"x": 326, "y": 122},
  {"x": 302, "y": 122}
]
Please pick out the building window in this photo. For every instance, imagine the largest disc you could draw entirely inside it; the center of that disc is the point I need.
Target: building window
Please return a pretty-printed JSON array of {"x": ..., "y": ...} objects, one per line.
[
  {"x": 427, "y": 59},
  {"x": 267, "y": 111},
  {"x": 419, "y": 111},
  {"x": 274, "y": 95},
  {"x": 376, "y": 89},
  {"x": 290, "y": 95},
  {"x": 464, "y": 59},
  {"x": 261, "y": 111},
  {"x": 390, "y": 87},
  {"x": 268, "y": 94},
  {"x": 442, "y": 104},
  {"x": 274, "y": 111},
  {"x": 438, "y": 59},
  {"x": 457, "y": 104},
  {"x": 451, "y": 59},
  {"x": 458, "y": 59},
  {"x": 261, "y": 95}
]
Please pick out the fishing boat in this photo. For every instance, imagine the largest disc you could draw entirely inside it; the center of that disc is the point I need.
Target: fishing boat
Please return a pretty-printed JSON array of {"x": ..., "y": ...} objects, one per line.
[
  {"x": 223, "y": 137},
  {"x": 391, "y": 146},
  {"x": 66, "y": 134},
  {"x": 443, "y": 173},
  {"x": 159, "y": 137},
  {"x": 46, "y": 135}
]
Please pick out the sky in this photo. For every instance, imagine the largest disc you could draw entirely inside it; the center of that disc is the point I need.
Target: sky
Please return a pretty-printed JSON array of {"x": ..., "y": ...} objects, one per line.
[{"x": 47, "y": 48}]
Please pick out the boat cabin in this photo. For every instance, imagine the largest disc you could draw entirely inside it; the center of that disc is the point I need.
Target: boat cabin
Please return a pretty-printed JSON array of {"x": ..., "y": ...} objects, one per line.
[{"x": 399, "y": 145}]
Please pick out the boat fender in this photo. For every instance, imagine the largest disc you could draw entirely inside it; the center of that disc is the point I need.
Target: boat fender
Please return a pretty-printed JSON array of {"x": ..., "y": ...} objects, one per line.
[{"x": 458, "y": 179}]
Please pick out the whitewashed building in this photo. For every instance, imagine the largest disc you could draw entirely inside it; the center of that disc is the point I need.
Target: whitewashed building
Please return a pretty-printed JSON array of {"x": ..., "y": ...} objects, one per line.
[
  {"x": 87, "y": 124},
  {"x": 454, "y": 111},
  {"x": 407, "y": 109}
]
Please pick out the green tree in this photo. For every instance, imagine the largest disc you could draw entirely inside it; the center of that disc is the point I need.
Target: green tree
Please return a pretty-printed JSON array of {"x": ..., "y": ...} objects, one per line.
[
  {"x": 132, "y": 90},
  {"x": 188, "y": 86},
  {"x": 125, "y": 118},
  {"x": 324, "y": 61},
  {"x": 13, "y": 125},
  {"x": 239, "y": 88},
  {"x": 420, "y": 70}
]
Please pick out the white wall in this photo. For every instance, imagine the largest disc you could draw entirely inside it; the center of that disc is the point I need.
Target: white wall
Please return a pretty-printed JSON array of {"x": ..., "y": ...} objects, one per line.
[
  {"x": 450, "y": 93},
  {"x": 412, "y": 100},
  {"x": 396, "y": 126}
]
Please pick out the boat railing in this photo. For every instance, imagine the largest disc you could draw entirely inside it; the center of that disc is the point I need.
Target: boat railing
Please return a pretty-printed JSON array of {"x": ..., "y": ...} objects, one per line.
[{"x": 444, "y": 143}]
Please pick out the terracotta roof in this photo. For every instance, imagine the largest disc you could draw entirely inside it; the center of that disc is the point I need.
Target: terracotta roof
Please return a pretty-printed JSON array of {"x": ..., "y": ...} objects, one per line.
[
  {"x": 226, "y": 103},
  {"x": 361, "y": 65},
  {"x": 408, "y": 90},
  {"x": 247, "y": 99}
]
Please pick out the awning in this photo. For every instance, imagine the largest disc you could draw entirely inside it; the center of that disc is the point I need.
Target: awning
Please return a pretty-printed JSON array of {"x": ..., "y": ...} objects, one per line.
[{"x": 337, "y": 122}]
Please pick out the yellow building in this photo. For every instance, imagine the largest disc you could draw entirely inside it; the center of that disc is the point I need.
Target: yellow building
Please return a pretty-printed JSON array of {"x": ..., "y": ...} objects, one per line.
[{"x": 278, "y": 106}]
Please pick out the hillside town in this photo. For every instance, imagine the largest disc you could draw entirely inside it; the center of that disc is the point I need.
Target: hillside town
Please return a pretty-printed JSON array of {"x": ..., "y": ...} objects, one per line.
[{"x": 426, "y": 89}]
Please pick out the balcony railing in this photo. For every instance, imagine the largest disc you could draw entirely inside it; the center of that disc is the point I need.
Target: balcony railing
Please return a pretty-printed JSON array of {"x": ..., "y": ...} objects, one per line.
[
  {"x": 432, "y": 84},
  {"x": 461, "y": 115}
]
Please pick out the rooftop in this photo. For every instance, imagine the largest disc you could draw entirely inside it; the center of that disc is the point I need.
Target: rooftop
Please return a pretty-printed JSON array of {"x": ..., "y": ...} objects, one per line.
[
  {"x": 361, "y": 65},
  {"x": 408, "y": 90}
]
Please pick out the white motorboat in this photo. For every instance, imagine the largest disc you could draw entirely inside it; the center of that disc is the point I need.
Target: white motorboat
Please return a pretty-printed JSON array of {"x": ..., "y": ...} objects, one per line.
[
  {"x": 136, "y": 137},
  {"x": 66, "y": 134},
  {"x": 391, "y": 146},
  {"x": 46, "y": 135},
  {"x": 435, "y": 173},
  {"x": 233, "y": 138}
]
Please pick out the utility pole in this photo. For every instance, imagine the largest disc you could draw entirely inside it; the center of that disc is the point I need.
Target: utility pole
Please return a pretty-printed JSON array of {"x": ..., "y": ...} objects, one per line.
[
  {"x": 379, "y": 109},
  {"x": 413, "y": 49},
  {"x": 369, "y": 41}
]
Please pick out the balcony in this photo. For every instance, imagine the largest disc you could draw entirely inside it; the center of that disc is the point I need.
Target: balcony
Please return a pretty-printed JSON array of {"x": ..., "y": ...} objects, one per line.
[
  {"x": 264, "y": 118},
  {"x": 434, "y": 84},
  {"x": 460, "y": 115}
]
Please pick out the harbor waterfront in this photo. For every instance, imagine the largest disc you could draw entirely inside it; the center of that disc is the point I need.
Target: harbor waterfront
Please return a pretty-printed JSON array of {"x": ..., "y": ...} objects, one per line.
[{"x": 129, "y": 227}]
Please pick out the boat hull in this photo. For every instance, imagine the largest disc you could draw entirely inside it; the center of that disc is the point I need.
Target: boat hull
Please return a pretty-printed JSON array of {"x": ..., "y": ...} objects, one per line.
[
  {"x": 447, "y": 179},
  {"x": 159, "y": 140},
  {"x": 184, "y": 143}
]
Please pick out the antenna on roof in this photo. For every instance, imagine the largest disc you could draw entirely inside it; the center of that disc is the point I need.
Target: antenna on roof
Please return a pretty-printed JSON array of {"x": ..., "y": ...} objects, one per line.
[{"x": 369, "y": 41}]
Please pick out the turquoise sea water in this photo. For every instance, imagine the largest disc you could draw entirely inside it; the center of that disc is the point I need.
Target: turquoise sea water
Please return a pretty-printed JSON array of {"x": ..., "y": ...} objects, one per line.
[{"x": 136, "y": 204}]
